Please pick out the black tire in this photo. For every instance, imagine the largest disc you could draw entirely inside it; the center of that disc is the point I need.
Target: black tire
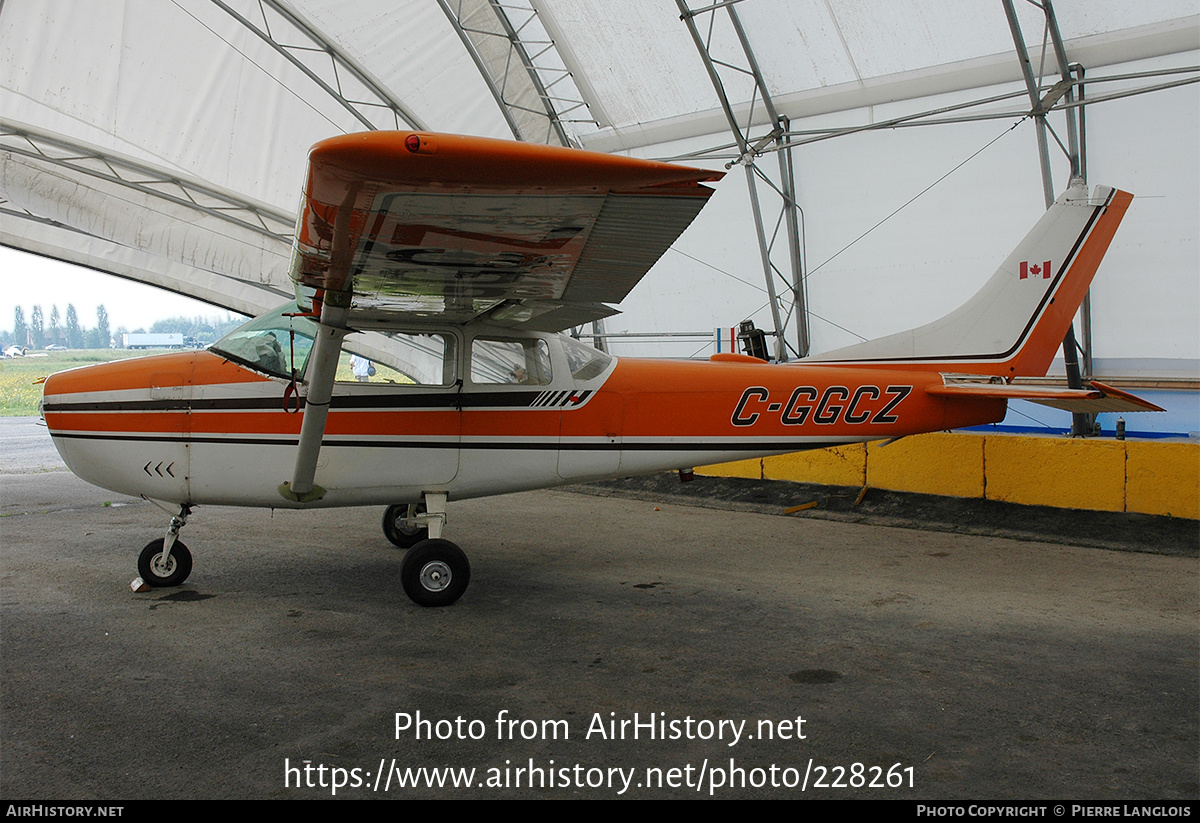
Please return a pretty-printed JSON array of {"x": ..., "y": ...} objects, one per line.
[
  {"x": 399, "y": 534},
  {"x": 435, "y": 573},
  {"x": 179, "y": 564}
]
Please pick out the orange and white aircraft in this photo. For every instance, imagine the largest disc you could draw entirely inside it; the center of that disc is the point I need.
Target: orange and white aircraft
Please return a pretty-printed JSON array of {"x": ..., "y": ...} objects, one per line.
[{"x": 422, "y": 360}]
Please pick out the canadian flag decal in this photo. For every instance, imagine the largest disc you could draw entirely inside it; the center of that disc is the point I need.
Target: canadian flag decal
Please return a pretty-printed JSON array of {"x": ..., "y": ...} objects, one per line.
[{"x": 1034, "y": 269}]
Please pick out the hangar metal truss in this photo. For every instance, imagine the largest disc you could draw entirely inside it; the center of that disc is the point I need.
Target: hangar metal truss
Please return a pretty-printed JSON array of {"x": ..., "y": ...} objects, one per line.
[
  {"x": 195, "y": 200},
  {"x": 787, "y": 266},
  {"x": 518, "y": 61},
  {"x": 771, "y": 244},
  {"x": 332, "y": 70}
]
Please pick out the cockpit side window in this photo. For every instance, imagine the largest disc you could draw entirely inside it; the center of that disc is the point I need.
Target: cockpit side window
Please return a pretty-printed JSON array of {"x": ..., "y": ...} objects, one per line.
[{"x": 280, "y": 342}]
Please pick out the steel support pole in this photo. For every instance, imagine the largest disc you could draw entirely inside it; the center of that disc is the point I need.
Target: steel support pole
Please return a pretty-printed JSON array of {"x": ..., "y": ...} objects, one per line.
[
  {"x": 748, "y": 152},
  {"x": 1081, "y": 423},
  {"x": 780, "y": 345},
  {"x": 1086, "y": 310},
  {"x": 790, "y": 211}
]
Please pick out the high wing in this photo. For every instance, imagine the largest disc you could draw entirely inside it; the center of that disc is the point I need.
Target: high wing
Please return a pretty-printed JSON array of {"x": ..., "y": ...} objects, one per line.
[
  {"x": 400, "y": 227},
  {"x": 431, "y": 226}
]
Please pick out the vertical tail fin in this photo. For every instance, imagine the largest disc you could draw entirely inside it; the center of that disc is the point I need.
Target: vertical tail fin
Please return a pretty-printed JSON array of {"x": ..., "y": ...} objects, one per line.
[{"x": 1014, "y": 325}]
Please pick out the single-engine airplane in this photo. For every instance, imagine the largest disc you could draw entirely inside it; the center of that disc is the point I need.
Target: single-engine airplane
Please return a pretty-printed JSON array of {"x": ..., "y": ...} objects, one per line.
[{"x": 446, "y": 267}]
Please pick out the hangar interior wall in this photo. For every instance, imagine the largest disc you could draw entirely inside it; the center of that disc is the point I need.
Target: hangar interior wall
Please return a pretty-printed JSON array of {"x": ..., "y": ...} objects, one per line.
[{"x": 186, "y": 88}]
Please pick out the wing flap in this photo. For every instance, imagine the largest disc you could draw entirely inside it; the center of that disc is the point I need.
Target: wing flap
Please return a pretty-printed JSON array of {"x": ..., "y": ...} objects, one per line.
[{"x": 630, "y": 233}]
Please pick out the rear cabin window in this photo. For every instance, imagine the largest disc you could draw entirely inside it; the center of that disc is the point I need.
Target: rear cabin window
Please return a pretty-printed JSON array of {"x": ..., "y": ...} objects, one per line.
[{"x": 515, "y": 362}]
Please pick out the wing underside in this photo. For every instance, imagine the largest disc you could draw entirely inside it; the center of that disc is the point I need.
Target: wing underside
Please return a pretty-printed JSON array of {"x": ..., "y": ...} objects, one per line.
[{"x": 434, "y": 227}]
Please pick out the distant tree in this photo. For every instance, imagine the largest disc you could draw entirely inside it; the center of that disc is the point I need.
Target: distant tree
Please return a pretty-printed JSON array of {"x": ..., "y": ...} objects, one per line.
[
  {"x": 119, "y": 337},
  {"x": 102, "y": 334},
  {"x": 37, "y": 334},
  {"x": 204, "y": 329},
  {"x": 226, "y": 326},
  {"x": 172, "y": 325},
  {"x": 55, "y": 323},
  {"x": 20, "y": 330},
  {"x": 74, "y": 333}
]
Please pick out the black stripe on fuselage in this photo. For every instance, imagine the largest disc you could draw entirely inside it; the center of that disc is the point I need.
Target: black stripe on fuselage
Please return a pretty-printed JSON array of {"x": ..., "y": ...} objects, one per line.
[
  {"x": 718, "y": 446},
  {"x": 401, "y": 400}
]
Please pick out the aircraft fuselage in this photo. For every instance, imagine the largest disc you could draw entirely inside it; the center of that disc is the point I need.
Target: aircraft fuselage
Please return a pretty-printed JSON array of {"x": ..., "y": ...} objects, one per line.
[{"x": 198, "y": 428}]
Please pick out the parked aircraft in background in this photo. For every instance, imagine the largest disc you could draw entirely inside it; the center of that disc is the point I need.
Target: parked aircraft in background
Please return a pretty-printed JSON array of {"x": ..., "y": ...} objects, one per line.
[{"x": 452, "y": 264}]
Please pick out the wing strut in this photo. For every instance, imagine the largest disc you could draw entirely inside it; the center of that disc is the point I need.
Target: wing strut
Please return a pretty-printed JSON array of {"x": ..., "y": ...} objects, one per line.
[
  {"x": 332, "y": 303},
  {"x": 322, "y": 368}
]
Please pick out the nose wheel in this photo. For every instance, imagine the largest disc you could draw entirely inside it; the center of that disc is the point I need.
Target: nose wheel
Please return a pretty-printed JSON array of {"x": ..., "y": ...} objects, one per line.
[
  {"x": 161, "y": 569},
  {"x": 167, "y": 562}
]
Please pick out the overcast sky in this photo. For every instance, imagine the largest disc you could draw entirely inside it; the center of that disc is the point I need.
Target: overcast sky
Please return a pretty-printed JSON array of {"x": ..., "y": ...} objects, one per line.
[{"x": 30, "y": 280}]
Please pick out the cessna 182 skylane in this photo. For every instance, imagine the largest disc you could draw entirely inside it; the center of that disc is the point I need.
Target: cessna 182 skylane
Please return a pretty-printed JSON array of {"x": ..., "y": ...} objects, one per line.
[{"x": 452, "y": 263}]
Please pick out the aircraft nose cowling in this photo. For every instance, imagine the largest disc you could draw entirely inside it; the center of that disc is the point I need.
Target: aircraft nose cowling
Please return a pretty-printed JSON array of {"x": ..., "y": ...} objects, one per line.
[{"x": 123, "y": 426}]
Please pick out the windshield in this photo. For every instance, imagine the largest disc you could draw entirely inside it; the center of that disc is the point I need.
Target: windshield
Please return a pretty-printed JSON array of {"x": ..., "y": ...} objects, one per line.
[
  {"x": 271, "y": 342},
  {"x": 585, "y": 362}
]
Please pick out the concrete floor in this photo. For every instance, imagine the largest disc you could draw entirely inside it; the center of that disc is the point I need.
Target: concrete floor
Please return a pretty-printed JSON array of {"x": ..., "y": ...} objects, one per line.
[{"x": 978, "y": 667}]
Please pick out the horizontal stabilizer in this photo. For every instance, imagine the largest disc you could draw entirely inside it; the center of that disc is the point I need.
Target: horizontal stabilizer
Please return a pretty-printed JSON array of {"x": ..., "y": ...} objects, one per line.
[{"x": 1099, "y": 398}]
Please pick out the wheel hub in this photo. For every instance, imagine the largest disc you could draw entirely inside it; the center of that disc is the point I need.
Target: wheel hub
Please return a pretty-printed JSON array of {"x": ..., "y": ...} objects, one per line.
[
  {"x": 435, "y": 576},
  {"x": 163, "y": 566}
]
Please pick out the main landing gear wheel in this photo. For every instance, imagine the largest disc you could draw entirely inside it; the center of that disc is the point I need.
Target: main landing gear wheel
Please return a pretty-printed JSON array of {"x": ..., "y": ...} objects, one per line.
[
  {"x": 161, "y": 572},
  {"x": 435, "y": 573},
  {"x": 396, "y": 528}
]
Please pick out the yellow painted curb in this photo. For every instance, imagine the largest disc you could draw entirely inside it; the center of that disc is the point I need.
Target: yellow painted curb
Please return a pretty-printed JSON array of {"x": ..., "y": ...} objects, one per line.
[
  {"x": 751, "y": 469},
  {"x": 839, "y": 466},
  {"x": 1163, "y": 478},
  {"x": 938, "y": 463},
  {"x": 1100, "y": 475},
  {"x": 1056, "y": 471}
]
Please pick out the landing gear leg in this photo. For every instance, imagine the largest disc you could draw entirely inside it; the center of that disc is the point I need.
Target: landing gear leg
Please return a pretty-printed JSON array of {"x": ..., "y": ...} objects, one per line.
[
  {"x": 402, "y": 527},
  {"x": 167, "y": 562},
  {"x": 435, "y": 513},
  {"x": 435, "y": 572}
]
